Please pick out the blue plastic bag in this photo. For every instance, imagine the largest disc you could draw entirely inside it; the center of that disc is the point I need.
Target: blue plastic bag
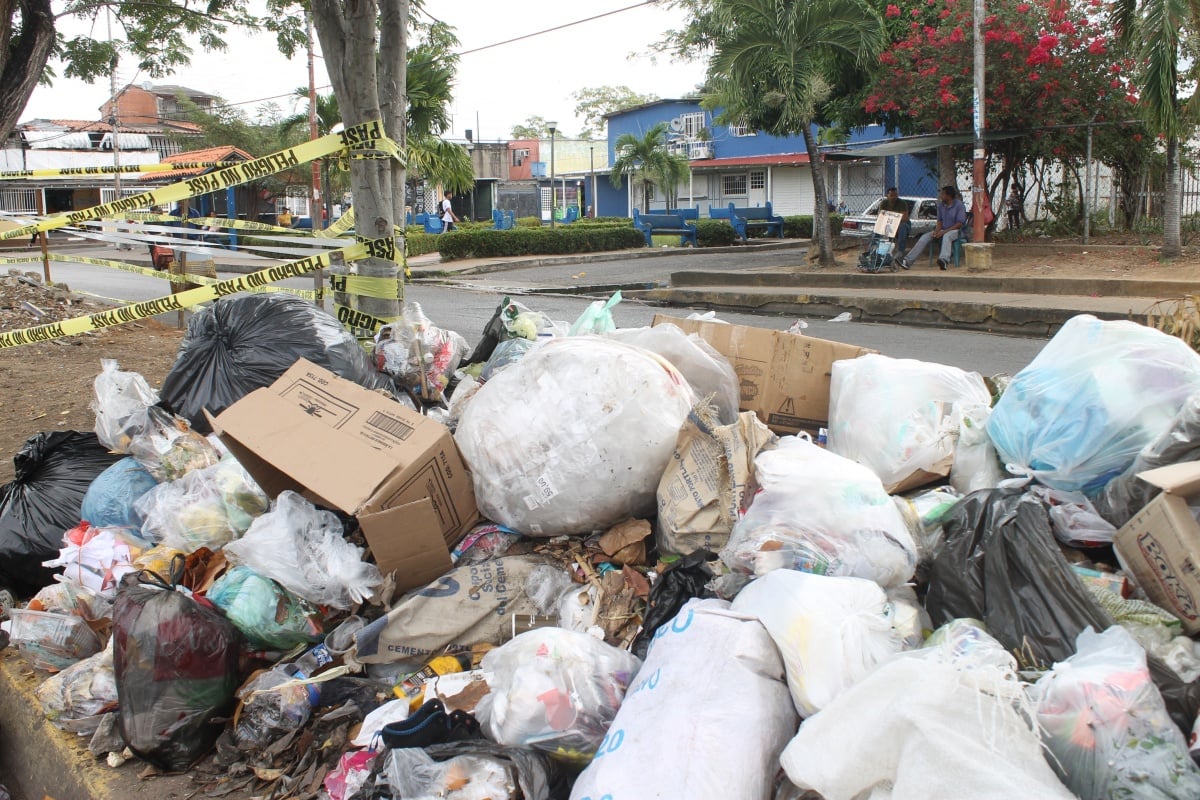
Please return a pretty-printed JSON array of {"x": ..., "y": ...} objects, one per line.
[
  {"x": 1096, "y": 394},
  {"x": 268, "y": 615},
  {"x": 109, "y": 500}
]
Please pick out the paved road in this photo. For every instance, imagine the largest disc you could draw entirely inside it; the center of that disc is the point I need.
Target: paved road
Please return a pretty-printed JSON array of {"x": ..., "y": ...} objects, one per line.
[{"x": 467, "y": 308}]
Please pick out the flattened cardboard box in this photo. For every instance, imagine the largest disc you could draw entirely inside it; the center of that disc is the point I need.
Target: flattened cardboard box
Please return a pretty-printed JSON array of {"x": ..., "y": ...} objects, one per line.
[
  {"x": 349, "y": 448},
  {"x": 1160, "y": 546},
  {"x": 782, "y": 377}
]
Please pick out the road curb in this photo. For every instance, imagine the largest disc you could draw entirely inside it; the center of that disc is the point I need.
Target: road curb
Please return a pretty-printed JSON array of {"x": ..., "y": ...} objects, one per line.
[{"x": 959, "y": 315}]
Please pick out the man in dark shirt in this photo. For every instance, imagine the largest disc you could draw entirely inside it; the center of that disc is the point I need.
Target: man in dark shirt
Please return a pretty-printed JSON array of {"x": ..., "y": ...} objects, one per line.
[
  {"x": 892, "y": 202},
  {"x": 951, "y": 216}
]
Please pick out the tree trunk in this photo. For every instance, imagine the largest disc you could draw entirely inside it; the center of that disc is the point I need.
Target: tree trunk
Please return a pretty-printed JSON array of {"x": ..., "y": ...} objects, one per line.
[
  {"x": 821, "y": 232},
  {"x": 1171, "y": 200},
  {"x": 393, "y": 84},
  {"x": 346, "y": 29},
  {"x": 947, "y": 174},
  {"x": 23, "y": 58}
]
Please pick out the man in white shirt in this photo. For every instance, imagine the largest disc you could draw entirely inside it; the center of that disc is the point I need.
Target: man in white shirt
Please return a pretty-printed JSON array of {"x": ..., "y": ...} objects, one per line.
[{"x": 448, "y": 217}]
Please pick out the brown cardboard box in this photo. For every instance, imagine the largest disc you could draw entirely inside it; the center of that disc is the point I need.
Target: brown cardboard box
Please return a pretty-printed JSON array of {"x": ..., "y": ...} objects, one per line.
[
  {"x": 783, "y": 377},
  {"x": 349, "y": 448},
  {"x": 1160, "y": 546}
]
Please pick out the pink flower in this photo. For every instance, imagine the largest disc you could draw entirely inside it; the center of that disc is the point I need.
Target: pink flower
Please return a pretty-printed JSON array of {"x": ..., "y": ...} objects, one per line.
[
  {"x": 1049, "y": 41},
  {"x": 1023, "y": 8},
  {"x": 956, "y": 35},
  {"x": 1037, "y": 56},
  {"x": 1097, "y": 47},
  {"x": 892, "y": 10}
]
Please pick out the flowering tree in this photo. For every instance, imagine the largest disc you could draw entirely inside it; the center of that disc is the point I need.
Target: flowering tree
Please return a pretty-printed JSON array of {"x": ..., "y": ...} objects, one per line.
[{"x": 1051, "y": 70}]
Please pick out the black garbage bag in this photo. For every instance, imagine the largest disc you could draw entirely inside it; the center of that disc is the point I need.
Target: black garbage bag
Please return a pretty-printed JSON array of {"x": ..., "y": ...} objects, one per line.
[
  {"x": 677, "y": 584},
  {"x": 53, "y": 473},
  {"x": 246, "y": 342},
  {"x": 999, "y": 563},
  {"x": 176, "y": 665}
]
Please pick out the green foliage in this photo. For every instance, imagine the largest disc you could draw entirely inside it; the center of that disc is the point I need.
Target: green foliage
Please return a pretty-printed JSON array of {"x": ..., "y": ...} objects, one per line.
[
  {"x": 528, "y": 222},
  {"x": 593, "y": 103},
  {"x": 714, "y": 233},
  {"x": 522, "y": 241},
  {"x": 418, "y": 243},
  {"x": 648, "y": 160},
  {"x": 800, "y": 226},
  {"x": 535, "y": 127}
]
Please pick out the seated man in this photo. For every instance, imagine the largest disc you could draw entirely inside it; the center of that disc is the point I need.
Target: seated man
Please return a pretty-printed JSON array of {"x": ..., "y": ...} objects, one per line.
[
  {"x": 892, "y": 202},
  {"x": 950, "y": 219}
]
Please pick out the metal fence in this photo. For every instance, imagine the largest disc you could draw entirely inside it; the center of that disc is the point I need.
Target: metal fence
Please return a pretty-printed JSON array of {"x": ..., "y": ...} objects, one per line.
[{"x": 18, "y": 201}]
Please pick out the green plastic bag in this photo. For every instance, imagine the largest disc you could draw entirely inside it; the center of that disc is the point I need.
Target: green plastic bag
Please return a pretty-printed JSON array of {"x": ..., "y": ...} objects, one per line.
[
  {"x": 268, "y": 615},
  {"x": 597, "y": 318}
]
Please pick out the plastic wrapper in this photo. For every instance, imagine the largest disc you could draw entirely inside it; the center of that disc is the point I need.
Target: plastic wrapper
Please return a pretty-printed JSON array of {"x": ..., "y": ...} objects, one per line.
[
  {"x": 818, "y": 512},
  {"x": 1074, "y": 519},
  {"x": 574, "y": 437},
  {"x": 53, "y": 472},
  {"x": 120, "y": 401},
  {"x": 352, "y": 773},
  {"x": 274, "y": 703},
  {"x": 925, "y": 725},
  {"x": 51, "y": 641},
  {"x": 708, "y": 372},
  {"x": 1000, "y": 564},
  {"x": 97, "y": 558},
  {"x": 923, "y": 511},
  {"x": 1096, "y": 394},
  {"x": 109, "y": 501},
  {"x": 513, "y": 320},
  {"x": 176, "y": 663},
  {"x": 831, "y": 632},
  {"x": 1106, "y": 726},
  {"x": 597, "y": 318},
  {"x": 158, "y": 559},
  {"x": 702, "y": 734},
  {"x": 169, "y": 449},
  {"x": 75, "y": 698},
  {"x": 67, "y": 597},
  {"x": 246, "y": 342},
  {"x": 418, "y": 353},
  {"x": 976, "y": 465},
  {"x": 505, "y": 355},
  {"x": 269, "y": 616},
  {"x": 205, "y": 508},
  {"x": 303, "y": 549},
  {"x": 1125, "y": 495},
  {"x": 474, "y": 771},
  {"x": 484, "y": 543},
  {"x": 901, "y": 417},
  {"x": 463, "y": 393},
  {"x": 554, "y": 690}
]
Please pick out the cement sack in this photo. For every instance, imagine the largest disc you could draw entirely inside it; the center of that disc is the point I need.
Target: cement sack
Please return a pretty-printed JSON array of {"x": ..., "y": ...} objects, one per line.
[
  {"x": 472, "y": 604},
  {"x": 831, "y": 632},
  {"x": 574, "y": 437},
  {"x": 900, "y": 417},
  {"x": 701, "y": 492},
  {"x": 704, "y": 734}
]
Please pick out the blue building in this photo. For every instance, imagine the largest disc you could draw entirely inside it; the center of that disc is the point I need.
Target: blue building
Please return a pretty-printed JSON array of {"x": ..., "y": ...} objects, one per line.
[{"x": 733, "y": 164}]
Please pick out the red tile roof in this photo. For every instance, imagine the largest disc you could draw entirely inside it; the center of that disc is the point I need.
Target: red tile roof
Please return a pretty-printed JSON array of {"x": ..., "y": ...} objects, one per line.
[
  {"x": 773, "y": 160},
  {"x": 206, "y": 155}
]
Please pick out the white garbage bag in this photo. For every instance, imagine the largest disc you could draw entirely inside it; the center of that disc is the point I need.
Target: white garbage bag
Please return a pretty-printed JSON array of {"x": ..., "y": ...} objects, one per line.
[
  {"x": 818, "y": 512},
  {"x": 900, "y": 417},
  {"x": 574, "y": 437},
  {"x": 1106, "y": 725},
  {"x": 1095, "y": 395},
  {"x": 703, "y": 734},
  {"x": 832, "y": 632}
]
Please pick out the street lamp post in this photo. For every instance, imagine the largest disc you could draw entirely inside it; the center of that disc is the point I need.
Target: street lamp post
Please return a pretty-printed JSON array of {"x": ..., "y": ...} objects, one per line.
[
  {"x": 592, "y": 157},
  {"x": 552, "y": 126}
]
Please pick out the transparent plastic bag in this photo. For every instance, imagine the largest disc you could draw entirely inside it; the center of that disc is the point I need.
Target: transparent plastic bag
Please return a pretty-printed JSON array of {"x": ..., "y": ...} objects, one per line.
[
  {"x": 120, "y": 401},
  {"x": 205, "y": 508},
  {"x": 269, "y": 616},
  {"x": 597, "y": 318},
  {"x": 818, "y": 512},
  {"x": 303, "y": 548},
  {"x": 418, "y": 353},
  {"x": 831, "y": 632},
  {"x": 169, "y": 449},
  {"x": 976, "y": 465},
  {"x": 574, "y": 437},
  {"x": 1074, "y": 519},
  {"x": 75, "y": 698},
  {"x": 67, "y": 597},
  {"x": 1096, "y": 394},
  {"x": 900, "y": 417},
  {"x": 97, "y": 558},
  {"x": 554, "y": 690},
  {"x": 109, "y": 502},
  {"x": 923, "y": 511},
  {"x": 1106, "y": 725},
  {"x": 274, "y": 704},
  {"x": 506, "y": 354},
  {"x": 709, "y": 373}
]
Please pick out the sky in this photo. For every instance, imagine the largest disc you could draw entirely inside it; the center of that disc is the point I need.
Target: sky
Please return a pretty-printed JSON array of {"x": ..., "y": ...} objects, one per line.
[{"x": 496, "y": 87}]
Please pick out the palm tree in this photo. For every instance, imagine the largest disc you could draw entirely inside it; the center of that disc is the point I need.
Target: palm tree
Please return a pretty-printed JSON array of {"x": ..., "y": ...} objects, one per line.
[
  {"x": 771, "y": 69},
  {"x": 648, "y": 159},
  {"x": 1157, "y": 25}
]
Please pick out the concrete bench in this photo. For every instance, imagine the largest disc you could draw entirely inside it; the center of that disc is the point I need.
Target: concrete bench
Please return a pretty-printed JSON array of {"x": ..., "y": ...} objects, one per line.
[
  {"x": 650, "y": 224},
  {"x": 503, "y": 220},
  {"x": 742, "y": 219}
]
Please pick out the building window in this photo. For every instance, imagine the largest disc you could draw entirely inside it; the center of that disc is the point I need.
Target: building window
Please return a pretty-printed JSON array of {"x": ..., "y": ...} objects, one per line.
[
  {"x": 692, "y": 123},
  {"x": 733, "y": 185},
  {"x": 519, "y": 154},
  {"x": 758, "y": 180},
  {"x": 741, "y": 130}
]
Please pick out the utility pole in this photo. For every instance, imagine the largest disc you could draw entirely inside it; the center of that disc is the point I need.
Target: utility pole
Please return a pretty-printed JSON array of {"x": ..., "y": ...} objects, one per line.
[
  {"x": 979, "y": 178},
  {"x": 114, "y": 120}
]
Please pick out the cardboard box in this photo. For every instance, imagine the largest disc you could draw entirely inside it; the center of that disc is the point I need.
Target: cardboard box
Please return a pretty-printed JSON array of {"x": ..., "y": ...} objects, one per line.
[
  {"x": 349, "y": 448},
  {"x": 783, "y": 377},
  {"x": 1160, "y": 546}
]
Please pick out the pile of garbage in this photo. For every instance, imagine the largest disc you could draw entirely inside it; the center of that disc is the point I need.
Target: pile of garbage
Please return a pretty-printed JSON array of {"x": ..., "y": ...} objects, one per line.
[
  {"x": 25, "y": 300},
  {"x": 581, "y": 562}
]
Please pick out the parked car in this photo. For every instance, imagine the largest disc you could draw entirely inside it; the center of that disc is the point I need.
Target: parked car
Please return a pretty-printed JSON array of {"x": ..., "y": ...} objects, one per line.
[{"x": 922, "y": 215}]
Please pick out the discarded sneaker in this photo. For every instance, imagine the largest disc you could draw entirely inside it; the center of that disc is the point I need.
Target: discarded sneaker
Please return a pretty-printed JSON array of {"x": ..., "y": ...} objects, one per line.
[
  {"x": 941, "y": 263},
  {"x": 431, "y": 725}
]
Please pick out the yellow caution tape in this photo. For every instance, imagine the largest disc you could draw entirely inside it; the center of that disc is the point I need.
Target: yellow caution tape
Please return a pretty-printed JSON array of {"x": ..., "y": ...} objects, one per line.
[
  {"x": 366, "y": 286},
  {"x": 67, "y": 172},
  {"x": 375, "y": 248},
  {"x": 340, "y": 225},
  {"x": 360, "y": 320},
  {"x": 358, "y": 140}
]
